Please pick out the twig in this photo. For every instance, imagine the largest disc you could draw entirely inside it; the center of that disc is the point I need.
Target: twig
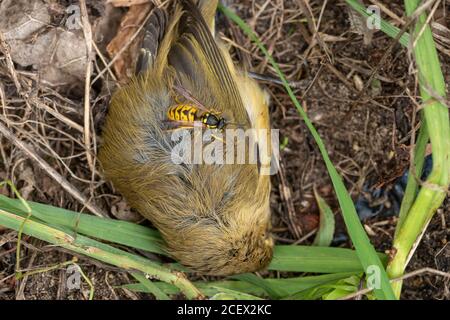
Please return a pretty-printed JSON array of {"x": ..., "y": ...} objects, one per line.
[
  {"x": 20, "y": 292},
  {"x": 386, "y": 54},
  {"x": 9, "y": 62},
  {"x": 103, "y": 252},
  {"x": 427, "y": 23},
  {"x": 105, "y": 63},
  {"x": 406, "y": 276},
  {"x": 50, "y": 171},
  {"x": 122, "y": 50},
  {"x": 57, "y": 115},
  {"x": 286, "y": 195},
  {"x": 306, "y": 237},
  {"x": 87, "y": 85},
  {"x": 387, "y": 11},
  {"x": 276, "y": 80}
]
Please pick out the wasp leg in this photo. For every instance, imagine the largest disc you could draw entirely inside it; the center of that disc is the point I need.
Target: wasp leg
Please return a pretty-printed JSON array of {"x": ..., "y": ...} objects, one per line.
[{"x": 217, "y": 138}]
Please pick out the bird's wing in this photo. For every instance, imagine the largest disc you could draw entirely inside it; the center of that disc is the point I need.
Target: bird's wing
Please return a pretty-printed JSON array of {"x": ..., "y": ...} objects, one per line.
[
  {"x": 208, "y": 10},
  {"x": 202, "y": 67},
  {"x": 154, "y": 31}
]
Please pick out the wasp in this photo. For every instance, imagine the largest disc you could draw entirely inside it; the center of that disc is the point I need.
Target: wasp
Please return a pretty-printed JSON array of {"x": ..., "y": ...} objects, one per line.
[
  {"x": 185, "y": 114},
  {"x": 189, "y": 113}
]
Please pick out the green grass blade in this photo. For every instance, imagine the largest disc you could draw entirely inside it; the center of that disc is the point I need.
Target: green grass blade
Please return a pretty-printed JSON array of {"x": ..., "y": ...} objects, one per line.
[
  {"x": 285, "y": 286},
  {"x": 97, "y": 250},
  {"x": 332, "y": 290},
  {"x": 434, "y": 190},
  {"x": 315, "y": 293},
  {"x": 364, "y": 249},
  {"x": 117, "y": 231},
  {"x": 343, "y": 288},
  {"x": 227, "y": 294},
  {"x": 208, "y": 289},
  {"x": 274, "y": 291},
  {"x": 324, "y": 235},
  {"x": 316, "y": 259},
  {"x": 150, "y": 286},
  {"x": 286, "y": 258},
  {"x": 412, "y": 184},
  {"x": 386, "y": 27}
]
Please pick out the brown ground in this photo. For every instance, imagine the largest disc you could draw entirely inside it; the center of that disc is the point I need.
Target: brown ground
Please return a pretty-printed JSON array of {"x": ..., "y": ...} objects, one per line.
[{"x": 366, "y": 133}]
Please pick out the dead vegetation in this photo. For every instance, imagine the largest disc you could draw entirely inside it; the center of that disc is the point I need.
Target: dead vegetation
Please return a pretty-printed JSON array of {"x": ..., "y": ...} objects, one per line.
[{"x": 54, "y": 98}]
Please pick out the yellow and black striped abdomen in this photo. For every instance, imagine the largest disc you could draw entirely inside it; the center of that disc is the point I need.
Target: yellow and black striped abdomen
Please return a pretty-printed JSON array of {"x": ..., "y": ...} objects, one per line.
[{"x": 182, "y": 112}]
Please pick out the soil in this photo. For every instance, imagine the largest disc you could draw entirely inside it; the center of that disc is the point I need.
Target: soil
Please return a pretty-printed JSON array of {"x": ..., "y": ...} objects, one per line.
[{"x": 367, "y": 134}]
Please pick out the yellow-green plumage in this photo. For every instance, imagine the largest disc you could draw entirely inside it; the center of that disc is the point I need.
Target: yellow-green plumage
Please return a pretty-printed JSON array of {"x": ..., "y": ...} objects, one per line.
[{"x": 214, "y": 218}]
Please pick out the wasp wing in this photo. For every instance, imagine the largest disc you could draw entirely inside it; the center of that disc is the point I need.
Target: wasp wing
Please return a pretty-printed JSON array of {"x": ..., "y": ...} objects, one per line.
[{"x": 202, "y": 68}]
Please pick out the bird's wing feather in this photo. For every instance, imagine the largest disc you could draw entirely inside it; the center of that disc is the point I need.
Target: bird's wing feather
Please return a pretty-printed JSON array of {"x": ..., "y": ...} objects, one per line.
[
  {"x": 201, "y": 66},
  {"x": 153, "y": 34}
]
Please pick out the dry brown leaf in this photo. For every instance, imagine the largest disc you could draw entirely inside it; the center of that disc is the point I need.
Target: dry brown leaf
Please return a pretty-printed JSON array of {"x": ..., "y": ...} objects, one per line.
[
  {"x": 126, "y": 3},
  {"x": 49, "y": 187},
  {"x": 29, "y": 183},
  {"x": 133, "y": 19},
  {"x": 58, "y": 54},
  {"x": 22, "y": 18},
  {"x": 105, "y": 27},
  {"x": 330, "y": 38}
]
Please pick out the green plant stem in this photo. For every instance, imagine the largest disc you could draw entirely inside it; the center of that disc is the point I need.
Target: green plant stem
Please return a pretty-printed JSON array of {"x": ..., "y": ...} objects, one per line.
[
  {"x": 20, "y": 231},
  {"x": 47, "y": 269},
  {"x": 59, "y": 266},
  {"x": 415, "y": 173},
  {"x": 117, "y": 231},
  {"x": 386, "y": 27},
  {"x": 365, "y": 251},
  {"x": 99, "y": 251},
  {"x": 150, "y": 286},
  {"x": 88, "y": 281},
  {"x": 433, "y": 191}
]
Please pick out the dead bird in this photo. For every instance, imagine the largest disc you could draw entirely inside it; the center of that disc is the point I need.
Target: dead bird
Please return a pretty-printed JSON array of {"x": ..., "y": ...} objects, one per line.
[{"x": 215, "y": 218}]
